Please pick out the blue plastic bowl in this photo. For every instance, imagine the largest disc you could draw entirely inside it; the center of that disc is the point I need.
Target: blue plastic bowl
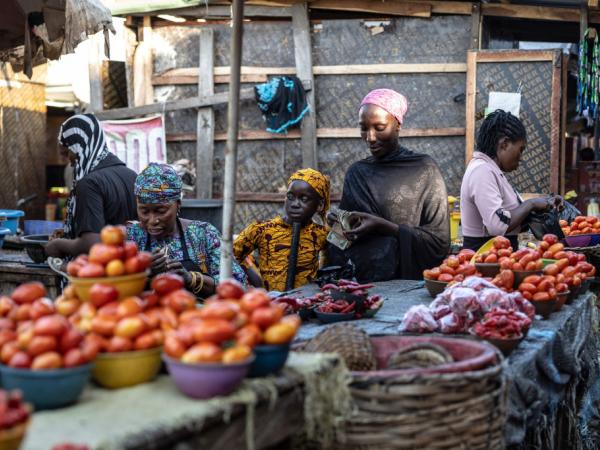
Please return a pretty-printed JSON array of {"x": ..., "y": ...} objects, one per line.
[
  {"x": 269, "y": 359},
  {"x": 47, "y": 389},
  {"x": 41, "y": 226},
  {"x": 3, "y": 232},
  {"x": 12, "y": 219},
  {"x": 583, "y": 240}
]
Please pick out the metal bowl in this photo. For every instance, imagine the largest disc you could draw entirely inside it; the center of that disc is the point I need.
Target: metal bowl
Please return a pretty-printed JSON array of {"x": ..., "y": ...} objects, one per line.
[{"x": 34, "y": 246}]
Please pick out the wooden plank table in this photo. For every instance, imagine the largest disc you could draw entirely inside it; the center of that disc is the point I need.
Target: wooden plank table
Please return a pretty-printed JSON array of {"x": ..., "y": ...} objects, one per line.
[{"x": 15, "y": 270}]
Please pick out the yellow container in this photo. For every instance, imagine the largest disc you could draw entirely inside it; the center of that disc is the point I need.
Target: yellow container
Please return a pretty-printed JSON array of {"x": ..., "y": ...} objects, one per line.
[
  {"x": 123, "y": 369},
  {"x": 454, "y": 222},
  {"x": 127, "y": 285}
]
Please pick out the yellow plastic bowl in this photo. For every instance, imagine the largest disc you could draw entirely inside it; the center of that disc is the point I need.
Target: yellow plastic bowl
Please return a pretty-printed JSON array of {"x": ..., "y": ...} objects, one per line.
[
  {"x": 127, "y": 285},
  {"x": 123, "y": 369},
  {"x": 11, "y": 438}
]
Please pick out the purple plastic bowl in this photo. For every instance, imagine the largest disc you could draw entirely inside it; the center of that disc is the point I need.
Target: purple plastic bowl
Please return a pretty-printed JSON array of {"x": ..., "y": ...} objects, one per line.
[
  {"x": 207, "y": 380},
  {"x": 582, "y": 240}
]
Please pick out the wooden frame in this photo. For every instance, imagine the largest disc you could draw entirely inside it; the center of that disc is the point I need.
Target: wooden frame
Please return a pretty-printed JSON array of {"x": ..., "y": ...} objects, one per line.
[{"x": 553, "y": 56}]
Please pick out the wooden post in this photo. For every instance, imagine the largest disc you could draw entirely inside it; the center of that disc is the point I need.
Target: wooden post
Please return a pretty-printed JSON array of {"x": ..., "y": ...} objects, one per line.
[
  {"x": 143, "y": 93},
  {"x": 95, "y": 72},
  {"x": 583, "y": 20},
  {"x": 233, "y": 116},
  {"x": 476, "y": 27},
  {"x": 304, "y": 70},
  {"x": 205, "y": 127},
  {"x": 471, "y": 93}
]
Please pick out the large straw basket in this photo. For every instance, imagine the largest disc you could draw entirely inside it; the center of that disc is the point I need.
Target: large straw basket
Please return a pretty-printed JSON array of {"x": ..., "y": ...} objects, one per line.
[{"x": 396, "y": 410}]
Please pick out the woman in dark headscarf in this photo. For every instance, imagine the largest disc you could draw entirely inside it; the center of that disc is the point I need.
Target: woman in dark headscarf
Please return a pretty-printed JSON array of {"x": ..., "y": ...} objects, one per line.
[
  {"x": 397, "y": 199},
  {"x": 102, "y": 190}
]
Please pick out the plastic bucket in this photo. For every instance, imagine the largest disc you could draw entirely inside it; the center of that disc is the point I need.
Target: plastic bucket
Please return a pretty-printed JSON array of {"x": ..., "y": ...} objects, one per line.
[
  {"x": 12, "y": 219},
  {"x": 41, "y": 226}
]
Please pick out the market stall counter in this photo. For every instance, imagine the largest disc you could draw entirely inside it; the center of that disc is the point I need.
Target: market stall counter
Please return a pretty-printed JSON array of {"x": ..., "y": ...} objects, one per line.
[
  {"x": 554, "y": 373},
  {"x": 16, "y": 268},
  {"x": 262, "y": 413}
]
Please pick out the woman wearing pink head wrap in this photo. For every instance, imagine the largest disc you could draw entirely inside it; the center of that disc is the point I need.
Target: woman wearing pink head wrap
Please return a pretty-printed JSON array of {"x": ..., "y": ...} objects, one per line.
[{"x": 397, "y": 198}]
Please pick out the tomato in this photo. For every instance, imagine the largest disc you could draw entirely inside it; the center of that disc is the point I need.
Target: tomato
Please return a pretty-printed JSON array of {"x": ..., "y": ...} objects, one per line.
[
  {"x": 8, "y": 350},
  {"x": 501, "y": 242},
  {"x": 54, "y": 325},
  {"x": 527, "y": 287},
  {"x": 563, "y": 223},
  {"x": 185, "y": 333},
  {"x": 47, "y": 361},
  {"x": 91, "y": 270},
  {"x": 129, "y": 327},
  {"x": 145, "y": 341},
  {"x": 446, "y": 269},
  {"x": 267, "y": 316},
  {"x": 543, "y": 246},
  {"x": 21, "y": 312},
  {"x": 504, "y": 252},
  {"x": 74, "y": 358},
  {"x": 230, "y": 289},
  {"x": 101, "y": 294},
  {"x": 579, "y": 219},
  {"x": 29, "y": 292},
  {"x": 555, "y": 248},
  {"x": 254, "y": 299},
  {"x": 150, "y": 297},
  {"x": 517, "y": 267},
  {"x": 551, "y": 269},
  {"x": 130, "y": 306},
  {"x": 169, "y": 319},
  {"x": 6, "y": 305},
  {"x": 213, "y": 330},
  {"x": 41, "y": 307},
  {"x": 159, "y": 336},
  {"x": 541, "y": 297},
  {"x": 576, "y": 281},
  {"x": 249, "y": 335},
  {"x": 173, "y": 347},
  {"x": 292, "y": 319},
  {"x": 202, "y": 353},
  {"x": 118, "y": 344},
  {"x": 144, "y": 260},
  {"x": 180, "y": 300},
  {"x": 166, "y": 283},
  {"x": 41, "y": 344},
  {"x": 446, "y": 278},
  {"x": 102, "y": 254},
  {"x": 73, "y": 268},
  {"x": 545, "y": 285},
  {"x": 103, "y": 326},
  {"x": 435, "y": 273},
  {"x": 115, "y": 268},
  {"x": 452, "y": 262},
  {"x": 221, "y": 310},
  {"x": 67, "y": 306},
  {"x": 550, "y": 239},
  {"x": 191, "y": 315},
  {"x": 491, "y": 259},
  {"x": 531, "y": 266},
  {"x": 236, "y": 353},
  {"x": 467, "y": 252},
  {"x": 112, "y": 235},
  {"x": 506, "y": 264},
  {"x": 280, "y": 333},
  {"x": 7, "y": 336},
  {"x": 562, "y": 287},
  {"x": 133, "y": 265},
  {"x": 71, "y": 339},
  {"x": 526, "y": 259},
  {"x": 90, "y": 348},
  {"x": 428, "y": 275},
  {"x": 569, "y": 271},
  {"x": 20, "y": 360},
  {"x": 110, "y": 310}
]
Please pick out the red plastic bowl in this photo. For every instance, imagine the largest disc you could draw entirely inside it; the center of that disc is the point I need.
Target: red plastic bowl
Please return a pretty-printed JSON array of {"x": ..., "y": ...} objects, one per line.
[{"x": 468, "y": 355}]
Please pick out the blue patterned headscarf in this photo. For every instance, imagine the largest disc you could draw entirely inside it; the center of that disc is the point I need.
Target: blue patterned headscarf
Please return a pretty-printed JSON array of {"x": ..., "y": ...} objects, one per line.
[{"x": 158, "y": 183}]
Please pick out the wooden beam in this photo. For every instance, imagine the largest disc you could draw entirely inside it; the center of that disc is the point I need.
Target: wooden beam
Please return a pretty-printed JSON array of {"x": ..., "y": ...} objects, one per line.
[
  {"x": 224, "y": 11},
  {"x": 174, "y": 105},
  {"x": 476, "y": 27},
  {"x": 563, "y": 123},
  {"x": 143, "y": 93},
  {"x": 189, "y": 75},
  {"x": 530, "y": 12},
  {"x": 271, "y": 197},
  {"x": 375, "y": 6},
  {"x": 555, "y": 123},
  {"x": 583, "y": 21},
  {"x": 322, "y": 133},
  {"x": 304, "y": 69},
  {"x": 205, "y": 120},
  {"x": 95, "y": 74},
  {"x": 506, "y": 56},
  {"x": 471, "y": 91}
]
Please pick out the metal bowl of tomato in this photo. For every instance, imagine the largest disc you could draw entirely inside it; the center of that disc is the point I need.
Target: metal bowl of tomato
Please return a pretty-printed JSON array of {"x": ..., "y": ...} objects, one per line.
[
  {"x": 520, "y": 275},
  {"x": 488, "y": 269},
  {"x": 544, "y": 307},
  {"x": 435, "y": 287}
]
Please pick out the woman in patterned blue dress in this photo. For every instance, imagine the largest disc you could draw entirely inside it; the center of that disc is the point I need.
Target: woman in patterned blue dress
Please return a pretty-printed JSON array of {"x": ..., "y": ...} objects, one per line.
[{"x": 189, "y": 248}]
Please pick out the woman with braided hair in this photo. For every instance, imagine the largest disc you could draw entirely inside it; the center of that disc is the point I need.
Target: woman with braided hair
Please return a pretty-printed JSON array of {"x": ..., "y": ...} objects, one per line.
[{"x": 489, "y": 205}]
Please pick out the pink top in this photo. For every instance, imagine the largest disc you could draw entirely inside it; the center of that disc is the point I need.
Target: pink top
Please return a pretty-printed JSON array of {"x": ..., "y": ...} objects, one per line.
[{"x": 486, "y": 199}]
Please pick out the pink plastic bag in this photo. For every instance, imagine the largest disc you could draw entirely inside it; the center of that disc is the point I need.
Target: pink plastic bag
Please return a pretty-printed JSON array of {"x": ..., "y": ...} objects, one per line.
[{"x": 418, "y": 319}]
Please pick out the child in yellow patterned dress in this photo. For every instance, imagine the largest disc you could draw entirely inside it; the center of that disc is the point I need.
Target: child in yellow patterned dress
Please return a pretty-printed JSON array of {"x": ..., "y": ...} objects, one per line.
[{"x": 307, "y": 197}]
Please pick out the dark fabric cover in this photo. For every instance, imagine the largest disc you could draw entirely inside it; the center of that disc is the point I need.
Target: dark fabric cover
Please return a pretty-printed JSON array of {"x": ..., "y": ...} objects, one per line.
[
  {"x": 105, "y": 197},
  {"x": 282, "y": 102},
  {"x": 407, "y": 189}
]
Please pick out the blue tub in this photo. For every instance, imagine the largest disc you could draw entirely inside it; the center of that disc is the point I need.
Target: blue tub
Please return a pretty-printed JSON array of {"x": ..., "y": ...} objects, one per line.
[
  {"x": 41, "y": 226},
  {"x": 47, "y": 389},
  {"x": 3, "y": 232},
  {"x": 269, "y": 359},
  {"x": 12, "y": 219}
]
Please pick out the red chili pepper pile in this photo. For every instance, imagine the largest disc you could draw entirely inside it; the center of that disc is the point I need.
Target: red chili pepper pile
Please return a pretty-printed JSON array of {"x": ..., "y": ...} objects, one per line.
[
  {"x": 502, "y": 324},
  {"x": 336, "y": 306}
]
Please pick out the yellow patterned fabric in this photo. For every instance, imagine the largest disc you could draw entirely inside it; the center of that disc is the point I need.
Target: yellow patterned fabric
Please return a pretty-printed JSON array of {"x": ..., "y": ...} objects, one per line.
[
  {"x": 316, "y": 180},
  {"x": 273, "y": 240}
]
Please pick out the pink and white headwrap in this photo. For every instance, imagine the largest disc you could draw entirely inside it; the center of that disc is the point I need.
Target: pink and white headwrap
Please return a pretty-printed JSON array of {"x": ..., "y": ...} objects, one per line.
[{"x": 390, "y": 100}]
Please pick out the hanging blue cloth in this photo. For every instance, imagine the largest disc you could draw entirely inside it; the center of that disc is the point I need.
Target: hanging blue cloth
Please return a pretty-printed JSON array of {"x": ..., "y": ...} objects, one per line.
[{"x": 282, "y": 102}]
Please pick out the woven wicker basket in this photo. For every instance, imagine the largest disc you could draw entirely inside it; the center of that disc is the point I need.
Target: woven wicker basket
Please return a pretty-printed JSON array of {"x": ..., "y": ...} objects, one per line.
[{"x": 436, "y": 411}]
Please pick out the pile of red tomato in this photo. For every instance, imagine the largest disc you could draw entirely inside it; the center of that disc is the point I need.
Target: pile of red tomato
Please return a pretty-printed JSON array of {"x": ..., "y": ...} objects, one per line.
[
  {"x": 501, "y": 249},
  {"x": 454, "y": 268},
  {"x": 34, "y": 336},
  {"x": 229, "y": 325},
  {"x": 581, "y": 225},
  {"x": 112, "y": 257}
]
